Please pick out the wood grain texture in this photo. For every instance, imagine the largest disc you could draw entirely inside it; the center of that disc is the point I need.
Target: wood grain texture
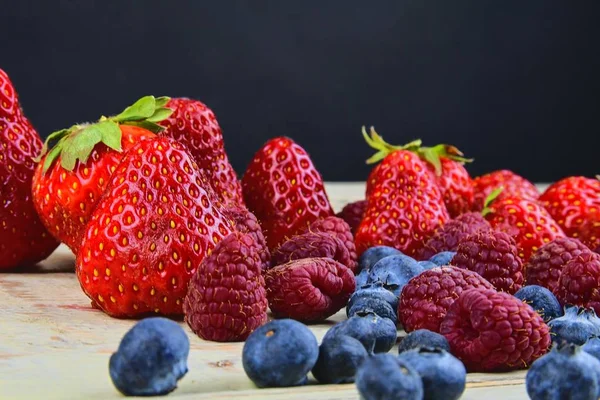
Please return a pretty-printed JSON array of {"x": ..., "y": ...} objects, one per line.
[{"x": 55, "y": 346}]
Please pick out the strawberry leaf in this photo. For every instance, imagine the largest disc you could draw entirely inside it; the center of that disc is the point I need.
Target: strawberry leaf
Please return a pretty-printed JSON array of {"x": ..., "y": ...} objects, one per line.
[
  {"x": 160, "y": 114},
  {"x": 162, "y": 101},
  {"x": 141, "y": 109},
  {"x": 51, "y": 157},
  {"x": 110, "y": 133},
  {"x": 490, "y": 199},
  {"x": 432, "y": 157},
  {"x": 150, "y": 126},
  {"x": 57, "y": 135}
]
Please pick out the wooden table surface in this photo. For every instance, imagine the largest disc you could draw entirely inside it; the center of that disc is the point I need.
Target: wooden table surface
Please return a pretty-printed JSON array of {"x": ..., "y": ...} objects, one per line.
[{"x": 55, "y": 346}]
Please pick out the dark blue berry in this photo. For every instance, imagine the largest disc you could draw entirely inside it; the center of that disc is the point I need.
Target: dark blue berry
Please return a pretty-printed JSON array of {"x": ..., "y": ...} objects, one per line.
[
  {"x": 386, "y": 377},
  {"x": 394, "y": 272},
  {"x": 151, "y": 358},
  {"x": 427, "y": 265},
  {"x": 280, "y": 353},
  {"x": 374, "y": 295},
  {"x": 374, "y": 254},
  {"x": 541, "y": 300},
  {"x": 423, "y": 338},
  {"x": 374, "y": 305},
  {"x": 444, "y": 376},
  {"x": 566, "y": 372},
  {"x": 361, "y": 279},
  {"x": 339, "y": 358},
  {"x": 443, "y": 258},
  {"x": 576, "y": 326},
  {"x": 592, "y": 346},
  {"x": 377, "y": 334}
]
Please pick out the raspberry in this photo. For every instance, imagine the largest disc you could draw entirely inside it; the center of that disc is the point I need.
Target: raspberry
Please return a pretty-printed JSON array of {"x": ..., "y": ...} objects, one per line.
[
  {"x": 425, "y": 299},
  {"x": 353, "y": 213},
  {"x": 545, "y": 266},
  {"x": 448, "y": 236},
  {"x": 339, "y": 228},
  {"x": 226, "y": 299},
  {"x": 311, "y": 245},
  {"x": 494, "y": 331},
  {"x": 579, "y": 283},
  {"x": 245, "y": 222},
  {"x": 310, "y": 289},
  {"x": 493, "y": 255}
]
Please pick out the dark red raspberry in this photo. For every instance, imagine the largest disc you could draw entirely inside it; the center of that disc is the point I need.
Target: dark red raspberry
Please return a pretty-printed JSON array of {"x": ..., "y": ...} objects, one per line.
[
  {"x": 339, "y": 228},
  {"x": 309, "y": 290},
  {"x": 312, "y": 245},
  {"x": 425, "y": 299},
  {"x": 448, "y": 236},
  {"x": 226, "y": 299},
  {"x": 353, "y": 213},
  {"x": 245, "y": 222},
  {"x": 494, "y": 331},
  {"x": 493, "y": 255},
  {"x": 579, "y": 282},
  {"x": 546, "y": 264}
]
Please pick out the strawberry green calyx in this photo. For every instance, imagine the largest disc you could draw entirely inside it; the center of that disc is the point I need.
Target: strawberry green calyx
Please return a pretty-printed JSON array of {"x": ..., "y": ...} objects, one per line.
[
  {"x": 77, "y": 142},
  {"x": 490, "y": 199},
  {"x": 383, "y": 148}
]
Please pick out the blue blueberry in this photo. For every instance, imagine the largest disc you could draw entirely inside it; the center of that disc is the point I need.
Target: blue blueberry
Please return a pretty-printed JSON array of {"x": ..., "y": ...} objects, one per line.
[
  {"x": 592, "y": 346},
  {"x": 374, "y": 305},
  {"x": 386, "y": 377},
  {"x": 377, "y": 334},
  {"x": 576, "y": 326},
  {"x": 541, "y": 300},
  {"x": 423, "y": 338},
  {"x": 444, "y": 376},
  {"x": 427, "y": 265},
  {"x": 394, "y": 272},
  {"x": 361, "y": 279},
  {"x": 339, "y": 358},
  {"x": 374, "y": 254},
  {"x": 566, "y": 372},
  {"x": 383, "y": 302},
  {"x": 443, "y": 258},
  {"x": 280, "y": 353},
  {"x": 151, "y": 358}
]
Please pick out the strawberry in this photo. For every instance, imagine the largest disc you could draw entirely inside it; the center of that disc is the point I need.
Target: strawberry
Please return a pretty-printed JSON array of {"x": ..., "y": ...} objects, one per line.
[
  {"x": 194, "y": 125},
  {"x": 74, "y": 173},
  {"x": 282, "y": 187},
  {"x": 511, "y": 183},
  {"x": 443, "y": 161},
  {"x": 574, "y": 203},
  {"x": 149, "y": 232},
  {"x": 25, "y": 240},
  {"x": 405, "y": 203}
]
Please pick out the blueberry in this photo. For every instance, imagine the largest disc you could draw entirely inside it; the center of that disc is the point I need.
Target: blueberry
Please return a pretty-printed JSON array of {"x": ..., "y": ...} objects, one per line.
[
  {"x": 443, "y": 258},
  {"x": 280, "y": 353},
  {"x": 339, "y": 358},
  {"x": 444, "y": 376},
  {"x": 394, "y": 272},
  {"x": 374, "y": 305},
  {"x": 151, "y": 358},
  {"x": 374, "y": 254},
  {"x": 566, "y": 372},
  {"x": 541, "y": 300},
  {"x": 375, "y": 293},
  {"x": 386, "y": 377},
  {"x": 576, "y": 326},
  {"x": 427, "y": 265},
  {"x": 423, "y": 338},
  {"x": 361, "y": 279},
  {"x": 377, "y": 334}
]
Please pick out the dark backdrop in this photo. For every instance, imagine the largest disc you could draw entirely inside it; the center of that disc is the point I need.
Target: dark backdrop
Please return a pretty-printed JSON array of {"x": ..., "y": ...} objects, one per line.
[{"x": 514, "y": 84}]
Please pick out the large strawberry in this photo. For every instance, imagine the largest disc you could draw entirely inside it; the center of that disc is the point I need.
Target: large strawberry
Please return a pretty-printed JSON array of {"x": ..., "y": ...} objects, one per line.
[
  {"x": 74, "y": 172},
  {"x": 444, "y": 161},
  {"x": 148, "y": 234},
  {"x": 511, "y": 184},
  {"x": 574, "y": 202},
  {"x": 194, "y": 125},
  {"x": 405, "y": 204},
  {"x": 284, "y": 190},
  {"x": 25, "y": 240}
]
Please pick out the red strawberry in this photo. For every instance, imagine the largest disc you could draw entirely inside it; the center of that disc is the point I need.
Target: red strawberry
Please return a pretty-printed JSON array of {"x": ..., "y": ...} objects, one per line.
[
  {"x": 310, "y": 289},
  {"x": 74, "y": 173},
  {"x": 525, "y": 219},
  {"x": 546, "y": 264},
  {"x": 284, "y": 190},
  {"x": 149, "y": 233},
  {"x": 493, "y": 255},
  {"x": 512, "y": 184},
  {"x": 494, "y": 331},
  {"x": 194, "y": 125},
  {"x": 405, "y": 204},
  {"x": 574, "y": 203},
  {"x": 226, "y": 299},
  {"x": 310, "y": 245},
  {"x": 25, "y": 240},
  {"x": 579, "y": 282},
  {"x": 353, "y": 213},
  {"x": 425, "y": 299}
]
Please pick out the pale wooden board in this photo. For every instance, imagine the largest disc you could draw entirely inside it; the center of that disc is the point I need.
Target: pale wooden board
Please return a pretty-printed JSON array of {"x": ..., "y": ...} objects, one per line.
[{"x": 55, "y": 346}]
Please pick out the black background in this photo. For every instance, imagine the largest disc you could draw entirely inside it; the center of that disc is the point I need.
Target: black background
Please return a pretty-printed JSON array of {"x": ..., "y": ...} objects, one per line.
[{"x": 514, "y": 84}]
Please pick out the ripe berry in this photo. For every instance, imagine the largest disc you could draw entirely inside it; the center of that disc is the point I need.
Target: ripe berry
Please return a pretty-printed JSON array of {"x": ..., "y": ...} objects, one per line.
[
  {"x": 377, "y": 334},
  {"x": 577, "y": 325},
  {"x": 339, "y": 229},
  {"x": 339, "y": 358},
  {"x": 423, "y": 338},
  {"x": 373, "y": 298},
  {"x": 374, "y": 254},
  {"x": 353, "y": 213},
  {"x": 579, "y": 282},
  {"x": 394, "y": 272},
  {"x": 541, "y": 300},
  {"x": 309, "y": 245},
  {"x": 442, "y": 258},
  {"x": 402, "y": 382}
]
